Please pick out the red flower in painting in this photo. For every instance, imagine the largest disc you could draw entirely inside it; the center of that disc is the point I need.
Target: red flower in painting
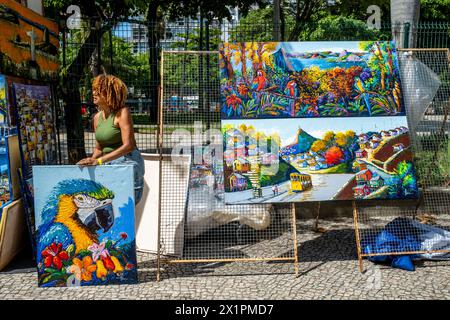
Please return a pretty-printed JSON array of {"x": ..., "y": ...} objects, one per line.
[
  {"x": 123, "y": 235},
  {"x": 108, "y": 263},
  {"x": 242, "y": 89},
  {"x": 53, "y": 255},
  {"x": 233, "y": 101}
]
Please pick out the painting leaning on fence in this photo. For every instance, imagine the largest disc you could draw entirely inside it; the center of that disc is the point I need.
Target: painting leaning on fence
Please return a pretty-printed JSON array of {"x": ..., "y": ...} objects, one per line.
[
  {"x": 297, "y": 160},
  {"x": 309, "y": 79},
  {"x": 85, "y": 225}
]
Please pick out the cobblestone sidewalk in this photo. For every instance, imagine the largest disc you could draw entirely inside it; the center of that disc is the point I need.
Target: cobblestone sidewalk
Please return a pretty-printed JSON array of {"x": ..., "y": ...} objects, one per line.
[{"x": 328, "y": 270}]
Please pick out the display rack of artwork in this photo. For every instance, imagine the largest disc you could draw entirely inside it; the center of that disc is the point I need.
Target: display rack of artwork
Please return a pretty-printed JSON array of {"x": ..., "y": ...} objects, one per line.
[
  {"x": 398, "y": 233},
  {"x": 282, "y": 139},
  {"x": 85, "y": 230},
  {"x": 253, "y": 236}
]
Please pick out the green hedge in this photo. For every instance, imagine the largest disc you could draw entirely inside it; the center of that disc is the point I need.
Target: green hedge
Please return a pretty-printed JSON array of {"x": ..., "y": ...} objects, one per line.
[{"x": 141, "y": 118}]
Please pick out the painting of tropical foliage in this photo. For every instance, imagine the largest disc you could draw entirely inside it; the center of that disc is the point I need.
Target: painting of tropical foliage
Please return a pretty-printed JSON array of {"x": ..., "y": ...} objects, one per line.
[
  {"x": 309, "y": 79},
  {"x": 299, "y": 160}
]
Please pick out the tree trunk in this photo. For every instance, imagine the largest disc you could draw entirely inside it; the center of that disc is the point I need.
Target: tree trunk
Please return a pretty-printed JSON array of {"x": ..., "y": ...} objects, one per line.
[
  {"x": 153, "y": 47},
  {"x": 201, "y": 102},
  {"x": 75, "y": 130},
  {"x": 227, "y": 62},
  {"x": 72, "y": 98},
  {"x": 282, "y": 22},
  {"x": 402, "y": 12},
  {"x": 243, "y": 60},
  {"x": 304, "y": 11},
  {"x": 276, "y": 20}
]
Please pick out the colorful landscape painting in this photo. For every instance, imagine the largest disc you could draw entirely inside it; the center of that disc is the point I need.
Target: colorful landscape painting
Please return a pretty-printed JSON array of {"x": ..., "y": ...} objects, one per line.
[
  {"x": 309, "y": 79},
  {"x": 294, "y": 160},
  {"x": 85, "y": 225}
]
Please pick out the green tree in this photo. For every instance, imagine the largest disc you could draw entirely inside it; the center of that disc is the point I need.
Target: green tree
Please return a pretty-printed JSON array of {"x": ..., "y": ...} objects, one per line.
[
  {"x": 82, "y": 60},
  {"x": 343, "y": 28},
  {"x": 435, "y": 10},
  {"x": 191, "y": 40},
  {"x": 100, "y": 17},
  {"x": 257, "y": 25}
]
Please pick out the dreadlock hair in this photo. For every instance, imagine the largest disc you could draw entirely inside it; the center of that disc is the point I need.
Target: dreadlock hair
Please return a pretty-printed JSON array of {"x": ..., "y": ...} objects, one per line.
[{"x": 112, "y": 89}]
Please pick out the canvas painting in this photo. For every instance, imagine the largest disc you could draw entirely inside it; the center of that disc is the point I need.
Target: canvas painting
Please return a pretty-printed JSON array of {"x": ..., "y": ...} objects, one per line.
[
  {"x": 3, "y": 100},
  {"x": 174, "y": 168},
  {"x": 32, "y": 59},
  {"x": 5, "y": 184},
  {"x": 9, "y": 163},
  {"x": 317, "y": 159},
  {"x": 36, "y": 126},
  {"x": 84, "y": 225},
  {"x": 309, "y": 79}
]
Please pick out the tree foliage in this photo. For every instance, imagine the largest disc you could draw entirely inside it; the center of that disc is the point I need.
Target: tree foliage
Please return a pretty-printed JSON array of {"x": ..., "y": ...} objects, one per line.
[
  {"x": 334, "y": 155},
  {"x": 435, "y": 10}
]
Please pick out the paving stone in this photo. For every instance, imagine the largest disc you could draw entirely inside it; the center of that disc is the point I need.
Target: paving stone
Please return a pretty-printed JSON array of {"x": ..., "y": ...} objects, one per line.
[{"x": 327, "y": 263}]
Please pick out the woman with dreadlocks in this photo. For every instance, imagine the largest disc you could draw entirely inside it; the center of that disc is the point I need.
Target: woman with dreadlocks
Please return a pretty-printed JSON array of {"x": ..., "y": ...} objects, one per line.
[{"x": 114, "y": 135}]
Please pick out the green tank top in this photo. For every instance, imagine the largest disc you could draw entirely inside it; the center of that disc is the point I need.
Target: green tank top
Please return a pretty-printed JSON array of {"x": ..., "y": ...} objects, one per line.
[{"x": 107, "y": 134}]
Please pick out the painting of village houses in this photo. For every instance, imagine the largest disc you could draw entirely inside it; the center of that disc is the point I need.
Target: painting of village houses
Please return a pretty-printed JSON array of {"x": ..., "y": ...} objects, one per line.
[
  {"x": 309, "y": 79},
  {"x": 295, "y": 160},
  {"x": 37, "y": 128}
]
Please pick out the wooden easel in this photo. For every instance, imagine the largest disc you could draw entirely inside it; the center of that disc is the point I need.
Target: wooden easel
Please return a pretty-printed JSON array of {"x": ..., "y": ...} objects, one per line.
[
  {"x": 358, "y": 240},
  {"x": 294, "y": 233}
]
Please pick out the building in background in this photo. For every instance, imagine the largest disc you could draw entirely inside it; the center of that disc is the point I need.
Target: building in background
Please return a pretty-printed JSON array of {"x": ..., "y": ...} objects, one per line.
[{"x": 174, "y": 32}]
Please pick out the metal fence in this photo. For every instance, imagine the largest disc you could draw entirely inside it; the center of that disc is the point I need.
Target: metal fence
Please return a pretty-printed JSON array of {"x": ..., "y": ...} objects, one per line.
[{"x": 125, "y": 49}]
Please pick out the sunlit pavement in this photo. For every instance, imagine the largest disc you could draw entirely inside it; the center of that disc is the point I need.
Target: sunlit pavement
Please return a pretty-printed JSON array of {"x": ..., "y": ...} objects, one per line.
[{"x": 328, "y": 270}]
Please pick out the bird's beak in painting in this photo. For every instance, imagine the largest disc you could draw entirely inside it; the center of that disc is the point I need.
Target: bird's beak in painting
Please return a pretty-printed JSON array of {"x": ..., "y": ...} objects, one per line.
[{"x": 102, "y": 217}]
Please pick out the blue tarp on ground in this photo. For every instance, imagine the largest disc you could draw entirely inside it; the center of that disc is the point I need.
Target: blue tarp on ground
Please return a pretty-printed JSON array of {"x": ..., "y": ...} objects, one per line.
[{"x": 403, "y": 235}]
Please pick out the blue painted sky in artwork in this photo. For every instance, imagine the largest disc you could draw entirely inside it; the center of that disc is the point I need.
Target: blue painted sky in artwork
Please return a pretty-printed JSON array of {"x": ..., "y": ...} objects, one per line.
[
  {"x": 121, "y": 223},
  {"x": 117, "y": 178},
  {"x": 287, "y": 128},
  {"x": 314, "y": 46},
  {"x": 318, "y": 46}
]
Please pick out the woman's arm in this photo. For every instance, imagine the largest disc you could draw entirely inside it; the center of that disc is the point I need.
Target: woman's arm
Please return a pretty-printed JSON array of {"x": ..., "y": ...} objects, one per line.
[
  {"x": 97, "y": 152},
  {"x": 98, "y": 148},
  {"x": 125, "y": 123}
]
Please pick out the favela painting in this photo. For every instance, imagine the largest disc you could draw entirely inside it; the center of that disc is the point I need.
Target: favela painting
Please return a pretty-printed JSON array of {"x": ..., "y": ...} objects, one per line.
[
  {"x": 309, "y": 79},
  {"x": 317, "y": 159},
  {"x": 85, "y": 225}
]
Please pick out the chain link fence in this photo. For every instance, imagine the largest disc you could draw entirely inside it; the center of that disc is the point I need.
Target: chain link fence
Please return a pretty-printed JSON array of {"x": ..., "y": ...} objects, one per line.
[{"x": 213, "y": 231}]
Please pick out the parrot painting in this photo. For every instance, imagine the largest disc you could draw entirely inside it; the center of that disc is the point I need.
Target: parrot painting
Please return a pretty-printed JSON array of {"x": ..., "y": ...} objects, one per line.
[
  {"x": 291, "y": 89},
  {"x": 73, "y": 214},
  {"x": 359, "y": 84},
  {"x": 259, "y": 83}
]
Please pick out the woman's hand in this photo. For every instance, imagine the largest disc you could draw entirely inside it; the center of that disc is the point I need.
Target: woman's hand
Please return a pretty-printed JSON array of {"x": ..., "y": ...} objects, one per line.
[{"x": 87, "y": 162}]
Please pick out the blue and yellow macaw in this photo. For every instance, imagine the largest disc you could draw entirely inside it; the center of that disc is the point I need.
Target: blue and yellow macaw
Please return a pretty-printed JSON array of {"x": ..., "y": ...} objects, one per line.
[
  {"x": 74, "y": 212},
  {"x": 359, "y": 84}
]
